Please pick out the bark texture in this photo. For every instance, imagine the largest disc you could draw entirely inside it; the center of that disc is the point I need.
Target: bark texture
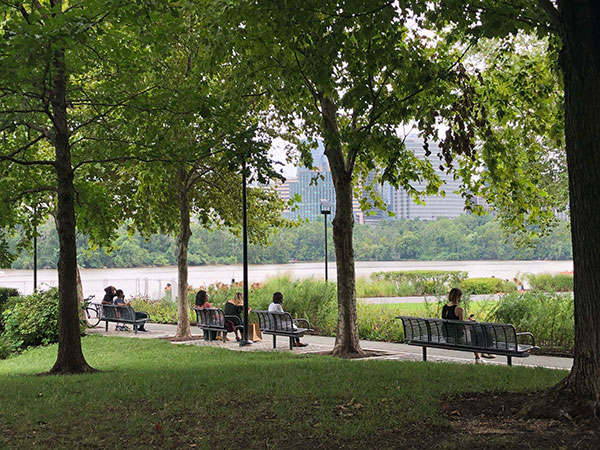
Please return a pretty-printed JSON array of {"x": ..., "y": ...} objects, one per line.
[
  {"x": 346, "y": 341},
  {"x": 578, "y": 396},
  {"x": 70, "y": 356},
  {"x": 185, "y": 232}
]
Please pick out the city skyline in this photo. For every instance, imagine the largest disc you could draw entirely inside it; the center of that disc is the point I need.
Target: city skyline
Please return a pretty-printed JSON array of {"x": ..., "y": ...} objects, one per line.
[{"x": 316, "y": 185}]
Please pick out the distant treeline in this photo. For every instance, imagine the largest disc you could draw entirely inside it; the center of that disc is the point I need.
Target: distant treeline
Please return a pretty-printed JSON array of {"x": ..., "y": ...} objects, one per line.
[{"x": 464, "y": 238}]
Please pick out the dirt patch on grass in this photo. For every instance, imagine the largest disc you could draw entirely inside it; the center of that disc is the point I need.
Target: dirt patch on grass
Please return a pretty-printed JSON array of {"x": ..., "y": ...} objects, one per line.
[
  {"x": 365, "y": 354},
  {"x": 489, "y": 419},
  {"x": 174, "y": 339}
]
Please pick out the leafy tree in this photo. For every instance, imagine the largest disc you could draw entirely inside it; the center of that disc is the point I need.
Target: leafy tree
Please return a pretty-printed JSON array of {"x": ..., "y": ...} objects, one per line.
[
  {"x": 204, "y": 133},
  {"x": 68, "y": 73},
  {"x": 572, "y": 26},
  {"x": 349, "y": 73}
]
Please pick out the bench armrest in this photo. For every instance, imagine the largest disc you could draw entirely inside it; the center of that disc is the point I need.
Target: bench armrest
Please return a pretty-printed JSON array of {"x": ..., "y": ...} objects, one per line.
[
  {"x": 236, "y": 320},
  {"x": 297, "y": 321},
  {"x": 527, "y": 333},
  {"x": 304, "y": 321}
]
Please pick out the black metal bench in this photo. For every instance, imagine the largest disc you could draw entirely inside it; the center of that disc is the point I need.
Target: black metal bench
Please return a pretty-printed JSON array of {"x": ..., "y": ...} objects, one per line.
[
  {"x": 281, "y": 324},
  {"x": 494, "y": 338},
  {"x": 121, "y": 314},
  {"x": 212, "y": 322}
]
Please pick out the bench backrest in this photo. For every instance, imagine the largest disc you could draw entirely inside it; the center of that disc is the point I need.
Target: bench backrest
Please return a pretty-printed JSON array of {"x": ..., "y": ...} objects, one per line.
[
  {"x": 117, "y": 312},
  {"x": 275, "y": 321},
  {"x": 501, "y": 336},
  {"x": 210, "y": 317}
]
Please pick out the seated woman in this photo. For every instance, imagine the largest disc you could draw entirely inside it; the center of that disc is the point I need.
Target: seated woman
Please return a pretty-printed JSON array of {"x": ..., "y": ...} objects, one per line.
[
  {"x": 452, "y": 311},
  {"x": 234, "y": 307},
  {"x": 111, "y": 291},
  {"x": 276, "y": 306},
  {"x": 202, "y": 300},
  {"x": 203, "y": 303}
]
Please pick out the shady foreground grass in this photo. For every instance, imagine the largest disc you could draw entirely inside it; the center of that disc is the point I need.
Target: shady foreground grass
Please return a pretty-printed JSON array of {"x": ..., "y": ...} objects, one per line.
[{"x": 153, "y": 394}]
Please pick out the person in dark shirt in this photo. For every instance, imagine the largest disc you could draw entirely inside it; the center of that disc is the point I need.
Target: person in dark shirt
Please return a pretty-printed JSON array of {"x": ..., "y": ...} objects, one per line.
[
  {"x": 111, "y": 291},
  {"x": 452, "y": 311},
  {"x": 234, "y": 307}
]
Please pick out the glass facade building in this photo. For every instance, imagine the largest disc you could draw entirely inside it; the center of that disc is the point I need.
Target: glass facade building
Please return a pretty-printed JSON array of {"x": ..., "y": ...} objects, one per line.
[{"x": 315, "y": 185}]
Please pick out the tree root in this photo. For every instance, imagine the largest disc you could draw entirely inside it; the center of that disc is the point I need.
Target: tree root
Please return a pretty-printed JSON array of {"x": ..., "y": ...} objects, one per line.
[
  {"x": 561, "y": 403},
  {"x": 59, "y": 370},
  {"x": 349, "y": 353}
]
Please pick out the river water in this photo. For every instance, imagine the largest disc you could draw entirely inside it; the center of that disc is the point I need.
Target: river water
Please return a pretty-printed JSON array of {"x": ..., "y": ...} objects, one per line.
[{"x": 151, "y": 281}]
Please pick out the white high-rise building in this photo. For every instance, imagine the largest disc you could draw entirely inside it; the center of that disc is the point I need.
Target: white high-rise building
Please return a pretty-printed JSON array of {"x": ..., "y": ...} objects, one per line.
[{"x": 405, "y": 207}]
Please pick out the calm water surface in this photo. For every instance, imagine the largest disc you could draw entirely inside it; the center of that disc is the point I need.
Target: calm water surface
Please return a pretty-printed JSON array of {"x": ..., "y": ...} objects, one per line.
[{"x": 152, "y": 281}]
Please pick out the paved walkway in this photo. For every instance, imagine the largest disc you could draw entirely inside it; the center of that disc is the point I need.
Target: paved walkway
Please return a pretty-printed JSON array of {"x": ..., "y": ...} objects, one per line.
[{"x": 318, "y": 344}]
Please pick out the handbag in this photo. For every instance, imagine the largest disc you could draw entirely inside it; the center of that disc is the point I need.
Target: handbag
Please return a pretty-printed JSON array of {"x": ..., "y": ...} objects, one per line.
[{"x": 254, "y": 333}]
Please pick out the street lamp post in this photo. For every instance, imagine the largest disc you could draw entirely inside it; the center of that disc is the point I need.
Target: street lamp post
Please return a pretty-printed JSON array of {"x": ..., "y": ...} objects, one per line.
[
  {"x": 325, "y": 210},
  {"x": 245, "y": 340}
]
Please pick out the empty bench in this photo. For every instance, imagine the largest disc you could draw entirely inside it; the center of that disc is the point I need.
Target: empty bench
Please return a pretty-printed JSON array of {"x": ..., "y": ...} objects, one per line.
[
  {"x": 281, "y": 324},
  {"x": 482, "y": 337},
  {"x": 212, "y": 322},
  {"x": 121, "y": 314}
]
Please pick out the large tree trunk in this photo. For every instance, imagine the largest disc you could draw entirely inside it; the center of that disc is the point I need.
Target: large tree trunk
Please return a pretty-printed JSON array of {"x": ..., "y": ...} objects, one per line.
[
  {"x": 579, "y": 393},
  {"x": 70, "y": 356},
  {"x": 183, "y": 317},
  {"x": 346, "y": 341}
]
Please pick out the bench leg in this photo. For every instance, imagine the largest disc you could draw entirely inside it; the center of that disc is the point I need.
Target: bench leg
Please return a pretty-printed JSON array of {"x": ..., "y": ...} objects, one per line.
[
  {"x": 509, "y": 360},
  {"x": 106, "y": 322},
  {"x": 291, "y": 343},
  {"x": 424, "y": 353},
  {"x": 274, "y": 341}
]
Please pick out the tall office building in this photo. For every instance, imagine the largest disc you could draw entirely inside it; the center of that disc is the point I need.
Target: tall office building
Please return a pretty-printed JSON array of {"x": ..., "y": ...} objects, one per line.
[
  {"x": 405, "y": 207},
  {"x": 315, "y": 185}
]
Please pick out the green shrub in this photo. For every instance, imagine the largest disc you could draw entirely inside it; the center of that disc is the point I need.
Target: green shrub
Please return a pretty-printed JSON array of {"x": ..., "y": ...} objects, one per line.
[
  {"x": 5, "y": 295},
  {"x": 487, "y": 285},
  {"x": 377, "y": 323},
  {"x": 6, "y": 347},
  {"x": 550, "y": 283},
  {"x": 549, "y": 316},
  {"x": 311, "y": 299},
  {"x": 160, "y": 311},
  {"x": 33, "y": 320},
  {"x": 432, "y": 282}
]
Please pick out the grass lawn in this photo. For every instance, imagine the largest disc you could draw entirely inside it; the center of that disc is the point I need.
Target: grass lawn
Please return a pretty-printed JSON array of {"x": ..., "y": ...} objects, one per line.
[{"x": 153, "y": 394}]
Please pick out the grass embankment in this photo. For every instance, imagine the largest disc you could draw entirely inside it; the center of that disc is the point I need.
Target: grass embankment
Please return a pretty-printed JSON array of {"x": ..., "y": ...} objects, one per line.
[{"x": 153, "y": 394}]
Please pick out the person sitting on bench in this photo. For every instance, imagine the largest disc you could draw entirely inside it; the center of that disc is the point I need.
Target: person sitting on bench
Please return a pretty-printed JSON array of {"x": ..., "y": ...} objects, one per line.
[
  {"x": 111, "y": 291},
  {"x": 276, "y": 306},
  {"x": 234, "y": 307},
  {"x": 120, "y": 301},
  {"x": 452, "y": 311}
]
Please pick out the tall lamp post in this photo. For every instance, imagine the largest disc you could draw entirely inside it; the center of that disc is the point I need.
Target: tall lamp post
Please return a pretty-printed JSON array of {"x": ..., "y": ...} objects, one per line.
[
  {"x": 325, "y": 210},
  {"x": 245, "y": 340}
]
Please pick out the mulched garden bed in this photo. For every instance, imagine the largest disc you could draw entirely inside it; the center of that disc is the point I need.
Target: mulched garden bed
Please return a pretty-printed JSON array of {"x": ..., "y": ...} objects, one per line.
[{"x": 491, "y": 419}]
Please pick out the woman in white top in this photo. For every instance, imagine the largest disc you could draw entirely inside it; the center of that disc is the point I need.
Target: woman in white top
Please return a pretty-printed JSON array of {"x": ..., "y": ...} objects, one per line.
[{"x": 276, "y": 306}]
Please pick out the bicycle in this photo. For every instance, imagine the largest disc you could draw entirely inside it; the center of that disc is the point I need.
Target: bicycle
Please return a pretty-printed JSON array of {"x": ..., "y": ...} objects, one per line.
[{"x": 92, "y": 312}]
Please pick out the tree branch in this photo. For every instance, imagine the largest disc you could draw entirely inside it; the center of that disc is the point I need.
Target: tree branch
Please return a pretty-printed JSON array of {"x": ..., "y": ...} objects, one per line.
[
  {"x": 307, "y": 82},
  {"x": 11, "y": 156},
  {"x": 31, "y": 191},
  {"x": 551, "y": 11}
]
